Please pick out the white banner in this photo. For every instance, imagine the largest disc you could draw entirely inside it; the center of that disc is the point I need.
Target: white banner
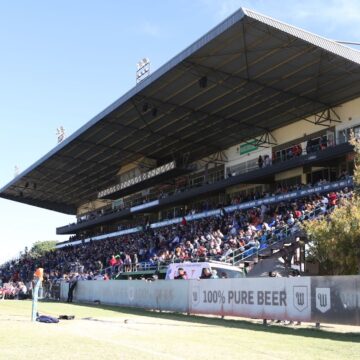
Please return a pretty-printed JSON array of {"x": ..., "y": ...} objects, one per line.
[
  {"x": 333, "y": 299},
  {"x": 263, "y": 298},
  {"x": 161, "y": 295}
]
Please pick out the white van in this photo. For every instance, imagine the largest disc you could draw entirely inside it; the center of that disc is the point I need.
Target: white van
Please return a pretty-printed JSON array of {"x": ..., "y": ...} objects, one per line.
[{"x": 194, "y": 270}]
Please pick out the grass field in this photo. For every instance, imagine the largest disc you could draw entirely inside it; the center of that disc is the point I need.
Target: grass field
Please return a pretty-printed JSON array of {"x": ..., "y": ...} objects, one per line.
[{"x": 104, "y": 332}]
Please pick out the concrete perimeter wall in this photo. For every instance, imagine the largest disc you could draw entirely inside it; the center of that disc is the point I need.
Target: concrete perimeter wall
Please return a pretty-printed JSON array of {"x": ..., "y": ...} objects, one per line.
[{"x": 334, "y": 299}]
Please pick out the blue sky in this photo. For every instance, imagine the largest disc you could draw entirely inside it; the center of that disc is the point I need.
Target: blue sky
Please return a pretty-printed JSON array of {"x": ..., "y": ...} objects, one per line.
[{"x": 62, "y": 62}]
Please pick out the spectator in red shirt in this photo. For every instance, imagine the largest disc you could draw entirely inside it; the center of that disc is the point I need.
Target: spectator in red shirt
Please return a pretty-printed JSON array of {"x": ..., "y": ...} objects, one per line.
[
  {"x": 112, "y": 261},
  {"x": 332, "y": 199}
]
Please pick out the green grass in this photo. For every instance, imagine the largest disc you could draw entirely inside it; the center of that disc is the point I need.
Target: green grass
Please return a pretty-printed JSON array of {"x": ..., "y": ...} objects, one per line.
[{"x": 100, "y": 332}]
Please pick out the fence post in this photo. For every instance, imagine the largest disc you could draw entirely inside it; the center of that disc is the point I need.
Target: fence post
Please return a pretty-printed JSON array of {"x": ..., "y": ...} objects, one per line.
[{"x": 35, "y": 295}]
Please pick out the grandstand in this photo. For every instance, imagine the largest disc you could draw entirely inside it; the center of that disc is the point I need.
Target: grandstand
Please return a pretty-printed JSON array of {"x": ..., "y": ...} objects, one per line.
[{"x": 228, "y": 140}]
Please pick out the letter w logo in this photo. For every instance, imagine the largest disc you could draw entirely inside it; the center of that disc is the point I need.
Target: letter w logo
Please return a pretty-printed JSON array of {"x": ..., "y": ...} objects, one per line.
[
  {"x": 323, "y": 300},
  {"x": 195, "y": 298},
  {"x": 300, "y": 296}
]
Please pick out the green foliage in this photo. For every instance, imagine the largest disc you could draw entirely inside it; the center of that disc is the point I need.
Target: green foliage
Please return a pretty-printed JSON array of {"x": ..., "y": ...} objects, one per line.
[
  {"x": 335, "y": 240},
  {"x": 356, "y": 143},
  {"x": 40, "y": 248}
]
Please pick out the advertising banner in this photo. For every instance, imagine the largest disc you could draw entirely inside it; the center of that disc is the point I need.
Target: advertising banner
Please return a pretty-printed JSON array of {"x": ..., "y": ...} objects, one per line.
[
  {"x": 336, "y": 299},
  {"x": 320, "y": 189},
  {"x": 160, "y": 295},
  {"x": 248, "y": 147},
  {"x": 242, "y": 206},
  {"x": 262, "y": 298},
  {"x": 333, "y": 299}
]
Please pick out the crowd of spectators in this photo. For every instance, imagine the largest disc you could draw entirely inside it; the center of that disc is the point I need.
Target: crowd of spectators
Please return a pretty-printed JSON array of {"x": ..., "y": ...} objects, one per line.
[
  {"x": 295, "y": 150},
  {"x": 211, "y": 204},
  {"x": 215, "y": 237},
  {"x": 14, "y": 290}
]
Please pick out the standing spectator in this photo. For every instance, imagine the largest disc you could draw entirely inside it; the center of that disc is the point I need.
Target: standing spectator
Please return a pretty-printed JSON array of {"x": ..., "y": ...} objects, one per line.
[
  {"x": 323, "y": 142},
  {"x": 135, "y": 261},
  {"x": 119, "y": 262},
  {"x": 72, "y": 285},
  {"x": 112, "y": 261},
  {"x": 267, "y": 161},
  {"x": 98, "y": 265},
  {"x": 297, "y": 150},
  {"x": 127, "y": 263}
]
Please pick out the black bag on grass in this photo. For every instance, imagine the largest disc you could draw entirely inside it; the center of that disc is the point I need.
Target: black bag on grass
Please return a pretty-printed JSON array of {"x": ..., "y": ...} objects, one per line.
[{"x": 47, "y": 319}]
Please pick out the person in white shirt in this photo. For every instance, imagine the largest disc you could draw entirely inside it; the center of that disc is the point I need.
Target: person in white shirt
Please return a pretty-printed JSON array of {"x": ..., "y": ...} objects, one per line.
[{"x": 291, "y": 220}]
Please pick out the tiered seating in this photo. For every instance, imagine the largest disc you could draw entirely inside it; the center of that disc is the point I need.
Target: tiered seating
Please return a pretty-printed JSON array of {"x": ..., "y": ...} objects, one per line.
[{"x": 231, "y": 234}]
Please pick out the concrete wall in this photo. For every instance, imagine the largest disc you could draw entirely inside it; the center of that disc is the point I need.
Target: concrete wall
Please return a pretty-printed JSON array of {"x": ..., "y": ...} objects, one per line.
[
  {"x": 92, "y": 206},
  {"x": 161, "y": 295},
  {"x": 349, "y": 114},
  {"x": 289, "y": 174},
  {"x": 333, "y": 299},
  {"x": 234, "y": 157}
]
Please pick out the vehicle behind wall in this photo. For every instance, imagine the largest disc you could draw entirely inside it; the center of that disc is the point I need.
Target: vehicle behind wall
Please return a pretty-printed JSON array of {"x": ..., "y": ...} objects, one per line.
[{"x": 194, "y": 270}]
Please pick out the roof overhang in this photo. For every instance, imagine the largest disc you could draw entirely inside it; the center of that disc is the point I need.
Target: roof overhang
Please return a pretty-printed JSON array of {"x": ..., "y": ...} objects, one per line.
[{"x": 260, "y": 74}]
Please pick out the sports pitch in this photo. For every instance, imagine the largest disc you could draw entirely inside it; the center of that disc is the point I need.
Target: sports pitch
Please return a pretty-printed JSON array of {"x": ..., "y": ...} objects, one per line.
[{"x": 104, "y": 332}]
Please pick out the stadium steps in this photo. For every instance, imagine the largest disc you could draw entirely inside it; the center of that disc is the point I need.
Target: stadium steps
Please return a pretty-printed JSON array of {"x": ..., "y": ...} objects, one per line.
[
  {"x": 284, "y": 236},
  {"x": 270, "y": 261}
]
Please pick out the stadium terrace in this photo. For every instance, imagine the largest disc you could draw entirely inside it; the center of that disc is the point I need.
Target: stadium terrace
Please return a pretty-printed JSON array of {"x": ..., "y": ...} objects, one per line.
[{"x": 254, "y": 116}]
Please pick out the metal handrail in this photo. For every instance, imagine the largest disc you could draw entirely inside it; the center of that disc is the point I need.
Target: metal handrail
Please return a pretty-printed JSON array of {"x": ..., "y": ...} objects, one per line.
[
  {"x": 256, "y": 250},
  {"x": 158, "y": 266}
]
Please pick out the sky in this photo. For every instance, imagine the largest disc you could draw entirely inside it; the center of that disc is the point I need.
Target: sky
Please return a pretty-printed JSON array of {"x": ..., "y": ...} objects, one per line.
[{"x": 63, "y": 62}]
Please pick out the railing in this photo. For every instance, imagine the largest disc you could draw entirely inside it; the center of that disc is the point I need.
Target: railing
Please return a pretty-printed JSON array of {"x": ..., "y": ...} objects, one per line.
[
  {"x": 285, "y": 154},
  {"x": 234, "y": 258},
  {"x": 135, "y": 201},
  {"x": 324, "y": 188},
  {"x": 234, "y": 170},
  {"x": 162, "y": 265},
  {"x": 239, "y": 256}
]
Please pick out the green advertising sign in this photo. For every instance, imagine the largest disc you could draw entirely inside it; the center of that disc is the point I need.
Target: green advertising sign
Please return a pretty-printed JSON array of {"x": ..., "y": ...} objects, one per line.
[{"x": 248, "y": 147}]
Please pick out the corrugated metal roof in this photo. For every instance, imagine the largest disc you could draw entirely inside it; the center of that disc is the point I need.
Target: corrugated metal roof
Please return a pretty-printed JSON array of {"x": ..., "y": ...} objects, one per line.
[
  {"x": 320, "y": 41},
  {"x": 262, "y": 74}
]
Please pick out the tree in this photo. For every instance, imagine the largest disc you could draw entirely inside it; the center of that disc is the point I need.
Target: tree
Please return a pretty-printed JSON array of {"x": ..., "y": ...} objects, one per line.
[
  {"x": 40, "y": 248},
  {"x": 356, "y": 177},
  {"x": 335, "y": 239}
]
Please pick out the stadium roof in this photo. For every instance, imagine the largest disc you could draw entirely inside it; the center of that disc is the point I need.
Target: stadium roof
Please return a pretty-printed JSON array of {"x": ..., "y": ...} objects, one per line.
[{"x": 258, "y": 74}]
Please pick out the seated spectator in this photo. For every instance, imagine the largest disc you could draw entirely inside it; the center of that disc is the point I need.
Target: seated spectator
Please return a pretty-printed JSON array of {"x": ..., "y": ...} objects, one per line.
[
  {"x": 206, "y": 273},
  {"x": 215, "y": 237},
  {"x": 332, "y": 198},
  {"x": 181, "y": 275},
  {"x": 290, "y": 221}
]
